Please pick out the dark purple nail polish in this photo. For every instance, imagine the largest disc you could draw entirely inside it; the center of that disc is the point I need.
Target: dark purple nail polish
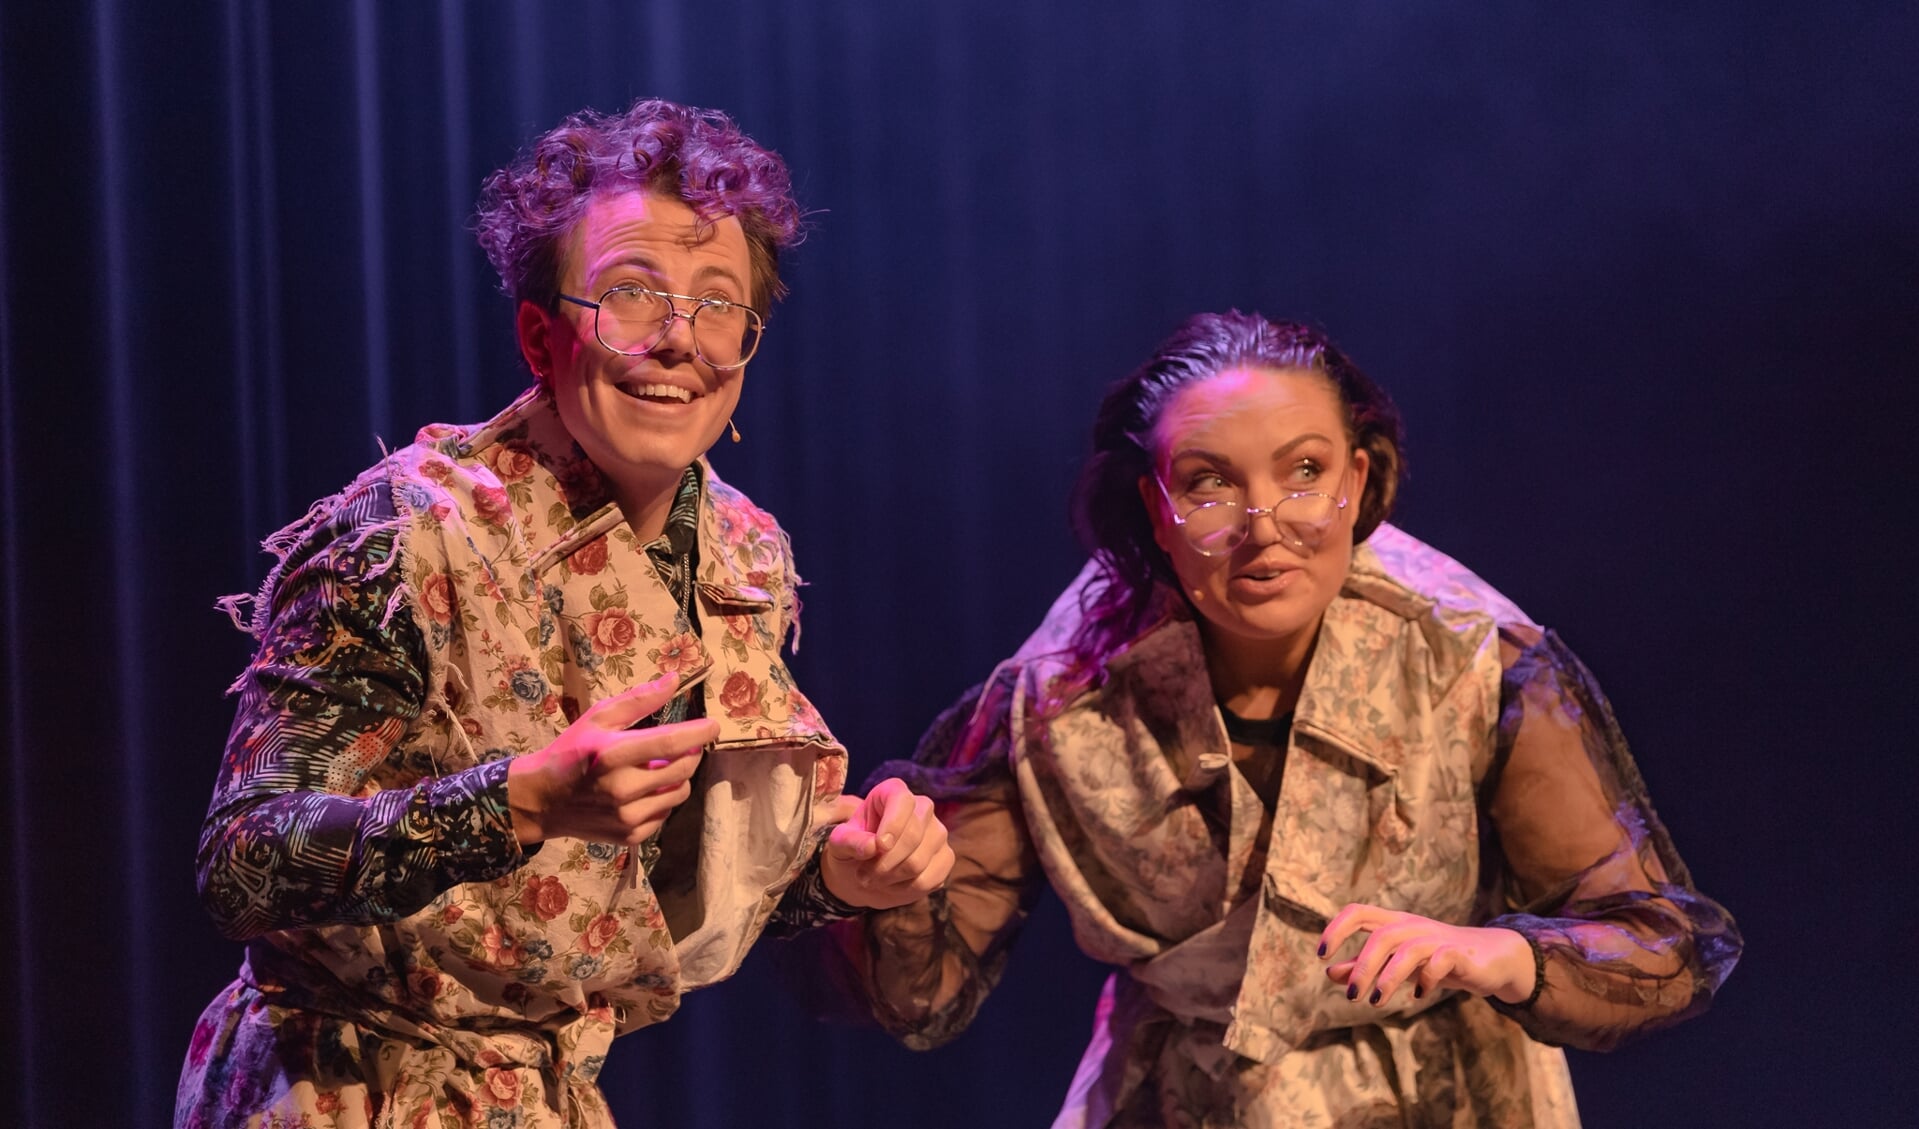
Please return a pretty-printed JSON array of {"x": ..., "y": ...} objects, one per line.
[
  {"x": 1374, "y": 998},
  {"x": 1322, "y": 948},
  {"x": 1352, "y": 991}
]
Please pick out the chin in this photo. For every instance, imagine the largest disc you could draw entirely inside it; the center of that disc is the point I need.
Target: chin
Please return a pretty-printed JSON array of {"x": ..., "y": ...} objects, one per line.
[
  {"x": 1269, "y": 620},
  {"x": 665, "y": 458},
  {"x": 663, "y": 443},
  {"x": 1266, "y": 628}
]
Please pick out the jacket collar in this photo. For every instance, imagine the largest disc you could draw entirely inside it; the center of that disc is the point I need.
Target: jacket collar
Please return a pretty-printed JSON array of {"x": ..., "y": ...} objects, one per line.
[
  {"x": 1162, "y": 678},
  {"x": 736, "y": 540},
  {"x": 1163, "y": 674},
  {"x": 531, "y": 425}
]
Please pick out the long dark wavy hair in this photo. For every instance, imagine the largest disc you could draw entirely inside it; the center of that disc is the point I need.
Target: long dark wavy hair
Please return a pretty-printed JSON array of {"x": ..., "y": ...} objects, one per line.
[{"x": 1108, "y": 515}]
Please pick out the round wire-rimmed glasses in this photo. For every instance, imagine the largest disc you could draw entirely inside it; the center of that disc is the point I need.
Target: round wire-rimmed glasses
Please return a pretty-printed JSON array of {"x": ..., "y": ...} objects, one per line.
[
  {"x": 632, "y": 320},
  {"x": 1215, "y": 529}
]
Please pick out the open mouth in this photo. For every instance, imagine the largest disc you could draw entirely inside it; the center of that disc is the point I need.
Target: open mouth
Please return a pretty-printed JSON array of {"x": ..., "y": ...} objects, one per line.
[
  {"x": 1265, "y": 570},
  {"x": 1264, "y": 574},
  {"x": 657, "y": 393},
  {"x": 1262, "y": 579}
]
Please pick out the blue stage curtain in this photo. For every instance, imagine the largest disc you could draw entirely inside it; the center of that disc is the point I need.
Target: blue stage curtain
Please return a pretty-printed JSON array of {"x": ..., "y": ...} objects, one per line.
[{"x": 1641, "y": 275}]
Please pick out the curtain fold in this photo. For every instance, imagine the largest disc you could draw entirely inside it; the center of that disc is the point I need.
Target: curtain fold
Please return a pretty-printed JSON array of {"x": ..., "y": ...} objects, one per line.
[{"x": 1641, "y": 280}]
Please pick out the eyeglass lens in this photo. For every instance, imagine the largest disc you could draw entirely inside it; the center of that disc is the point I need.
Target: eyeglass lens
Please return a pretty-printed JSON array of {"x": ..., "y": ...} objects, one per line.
[
  {"x": 634, "y": 321},
  {"x": 1219, "y": 527}
]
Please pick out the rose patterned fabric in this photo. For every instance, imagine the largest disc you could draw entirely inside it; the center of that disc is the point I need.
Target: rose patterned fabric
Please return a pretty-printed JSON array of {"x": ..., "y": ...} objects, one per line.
[
  {"x": 460, "y": 604},
  {"x": 1448, "y": 758}
]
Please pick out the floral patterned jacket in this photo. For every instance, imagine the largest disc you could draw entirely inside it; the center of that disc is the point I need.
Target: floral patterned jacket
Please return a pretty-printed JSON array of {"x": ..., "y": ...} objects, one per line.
[
  {"x": 1447, "y": 757},
  {"x": 459, "y": 604}
]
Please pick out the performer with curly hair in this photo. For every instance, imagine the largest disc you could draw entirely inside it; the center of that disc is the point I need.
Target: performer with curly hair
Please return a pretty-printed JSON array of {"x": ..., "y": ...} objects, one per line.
[{"x": 517, "y": 762}]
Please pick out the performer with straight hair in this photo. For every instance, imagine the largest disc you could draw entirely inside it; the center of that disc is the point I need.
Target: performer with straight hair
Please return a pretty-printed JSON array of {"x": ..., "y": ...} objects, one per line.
[{"x": 1363, "y": 841}]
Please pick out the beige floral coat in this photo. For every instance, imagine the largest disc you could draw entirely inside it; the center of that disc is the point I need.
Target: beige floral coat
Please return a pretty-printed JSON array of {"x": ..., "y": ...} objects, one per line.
[
  {"x": 408, "y": 965},
  {"x": 1447, "y": 758}
]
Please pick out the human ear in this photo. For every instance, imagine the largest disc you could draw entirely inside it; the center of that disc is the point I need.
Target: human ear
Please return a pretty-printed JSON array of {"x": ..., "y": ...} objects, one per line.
[{"x": 535, "y": 330}]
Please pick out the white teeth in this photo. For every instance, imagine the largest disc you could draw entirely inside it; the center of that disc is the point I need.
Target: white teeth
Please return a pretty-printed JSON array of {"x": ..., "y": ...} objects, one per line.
[{"x": 663, "y": 391}]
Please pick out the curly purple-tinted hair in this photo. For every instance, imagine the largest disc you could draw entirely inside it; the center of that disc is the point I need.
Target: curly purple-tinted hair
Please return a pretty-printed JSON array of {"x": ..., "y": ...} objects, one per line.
[
  {"x": 1108, "y": 515},
  {"x": 529, "y": 208}
]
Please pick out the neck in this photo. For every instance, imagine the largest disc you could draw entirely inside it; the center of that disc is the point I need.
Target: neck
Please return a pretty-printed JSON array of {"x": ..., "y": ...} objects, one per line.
[
  {"x": 647, "y": 505},
  {"x": 1257, "y": 678}
]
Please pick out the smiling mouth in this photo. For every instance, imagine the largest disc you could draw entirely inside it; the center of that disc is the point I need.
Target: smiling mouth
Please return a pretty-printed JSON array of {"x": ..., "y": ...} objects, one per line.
[{"x": 658, "y": 393}]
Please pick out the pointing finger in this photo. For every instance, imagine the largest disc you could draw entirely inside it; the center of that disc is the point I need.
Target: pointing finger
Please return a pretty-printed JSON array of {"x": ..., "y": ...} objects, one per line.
[
  {"x": 629, "y": 706},
  {"x": 636, "y": 748}
]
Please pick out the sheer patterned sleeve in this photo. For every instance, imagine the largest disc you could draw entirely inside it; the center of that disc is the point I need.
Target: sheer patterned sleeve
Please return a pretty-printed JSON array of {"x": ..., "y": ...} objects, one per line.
[
  {"x": 922, "y": 971},
  {"x": 290, "y": 837},
  {"x": 807, "y": 903},
  {"x": 1624, "y": 942}
]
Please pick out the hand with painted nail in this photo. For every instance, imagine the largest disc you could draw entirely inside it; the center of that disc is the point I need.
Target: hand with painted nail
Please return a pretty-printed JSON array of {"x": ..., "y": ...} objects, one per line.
[
  {"x": 603, "y": 782},
  {"x": 1404, "y": 950},
  {"x": 890, "y": 850}
]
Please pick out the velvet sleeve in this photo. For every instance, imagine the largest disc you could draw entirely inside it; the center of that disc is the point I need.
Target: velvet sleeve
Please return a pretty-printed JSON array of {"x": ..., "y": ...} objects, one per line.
[
  {"x": 921, "y": 971},
  {"x": 1580, "y": 864},
  {"x": 295, "y": 834}
]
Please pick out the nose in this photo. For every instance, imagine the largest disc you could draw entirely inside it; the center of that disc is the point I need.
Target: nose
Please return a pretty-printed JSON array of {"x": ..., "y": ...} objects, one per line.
[
  {"x": 1262, "y": 528},
  {"x": 678, "y": 337}
]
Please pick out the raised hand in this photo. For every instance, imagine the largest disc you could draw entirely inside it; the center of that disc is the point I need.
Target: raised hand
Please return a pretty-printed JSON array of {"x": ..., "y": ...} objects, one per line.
[
  {"x": 1404, "y": 949},
  {"x": 890, "y": 851},
  {"x": 603, "y": 782}
]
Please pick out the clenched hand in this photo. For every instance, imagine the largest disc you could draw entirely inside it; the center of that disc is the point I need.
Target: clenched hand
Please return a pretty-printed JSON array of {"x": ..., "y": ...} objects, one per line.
[{"x": 890, "y": 851}]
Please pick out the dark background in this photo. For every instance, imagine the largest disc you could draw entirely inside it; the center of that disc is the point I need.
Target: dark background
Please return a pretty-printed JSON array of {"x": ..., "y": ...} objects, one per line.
[{"x": 1644, "y": 278}]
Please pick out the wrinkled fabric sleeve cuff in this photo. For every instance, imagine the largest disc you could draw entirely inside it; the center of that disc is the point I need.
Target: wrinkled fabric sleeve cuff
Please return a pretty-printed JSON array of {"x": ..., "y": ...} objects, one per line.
[
  {"x": 457, "y": 827},
  {"x": 808, "y": 904},
  {"x": 475, "y": 825}
]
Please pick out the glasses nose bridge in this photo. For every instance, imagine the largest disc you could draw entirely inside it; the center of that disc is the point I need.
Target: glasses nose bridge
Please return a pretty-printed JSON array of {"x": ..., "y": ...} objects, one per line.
[
  {"x": 673, "y": 309},
  {"x": 1270, "y": 513},
  {"x": 1281, "y": 534},
  {"x": 674, "y": 315}
]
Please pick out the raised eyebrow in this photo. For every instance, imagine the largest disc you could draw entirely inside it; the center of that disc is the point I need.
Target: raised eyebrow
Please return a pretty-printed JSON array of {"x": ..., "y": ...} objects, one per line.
[
  {"x": 1199, "y": 453},
  {"x": 1287, "y": 448},
  {"x": 628, "y": 262}
]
